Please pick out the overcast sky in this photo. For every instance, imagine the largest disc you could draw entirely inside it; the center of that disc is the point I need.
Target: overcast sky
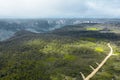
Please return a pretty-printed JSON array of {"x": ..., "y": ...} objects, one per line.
[{"x": 59, "y": 8}]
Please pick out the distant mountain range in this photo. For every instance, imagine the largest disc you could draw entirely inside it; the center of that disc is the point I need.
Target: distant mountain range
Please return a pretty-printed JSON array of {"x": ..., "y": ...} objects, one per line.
[{"x": 8, "y": 27}]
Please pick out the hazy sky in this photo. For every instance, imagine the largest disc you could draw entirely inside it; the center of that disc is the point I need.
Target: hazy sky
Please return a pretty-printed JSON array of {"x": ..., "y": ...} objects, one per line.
[{"x": 59, "y": 8}]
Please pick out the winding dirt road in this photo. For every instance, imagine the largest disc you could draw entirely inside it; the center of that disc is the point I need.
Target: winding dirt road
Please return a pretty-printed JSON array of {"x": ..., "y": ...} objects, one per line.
[{"x": 99, "y": 65}]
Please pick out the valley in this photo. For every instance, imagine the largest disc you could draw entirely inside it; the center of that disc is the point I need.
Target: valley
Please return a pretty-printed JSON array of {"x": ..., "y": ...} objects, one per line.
[{"x": 59, "y": 49}]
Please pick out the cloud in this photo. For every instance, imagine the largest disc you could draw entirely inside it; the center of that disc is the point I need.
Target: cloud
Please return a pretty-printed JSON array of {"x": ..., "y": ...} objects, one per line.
[
  {"x": 26, "y": 8},
  {"x": 59, "y": 8},
  {"x": 106, "y": 8}
]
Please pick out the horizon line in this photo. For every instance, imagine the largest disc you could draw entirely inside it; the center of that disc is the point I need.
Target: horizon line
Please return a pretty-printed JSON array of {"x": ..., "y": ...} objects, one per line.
[{"x": 66, "y": 18}]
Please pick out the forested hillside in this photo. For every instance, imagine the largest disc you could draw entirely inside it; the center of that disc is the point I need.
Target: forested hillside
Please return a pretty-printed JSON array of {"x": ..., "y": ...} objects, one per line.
[{"x": 61, "y": 54}]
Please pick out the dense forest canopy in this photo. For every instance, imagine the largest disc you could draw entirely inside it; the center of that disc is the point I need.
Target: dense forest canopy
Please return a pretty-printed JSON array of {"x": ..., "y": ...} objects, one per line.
[{"x": 61, "y": 53}]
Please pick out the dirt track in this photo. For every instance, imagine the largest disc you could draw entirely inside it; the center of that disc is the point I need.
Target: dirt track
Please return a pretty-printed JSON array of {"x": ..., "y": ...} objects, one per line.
[{"x": 100, "y": 65}]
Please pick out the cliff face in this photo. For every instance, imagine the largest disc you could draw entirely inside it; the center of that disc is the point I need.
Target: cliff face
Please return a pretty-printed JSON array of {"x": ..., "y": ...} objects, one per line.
[{"x": 9, "y": 27}]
